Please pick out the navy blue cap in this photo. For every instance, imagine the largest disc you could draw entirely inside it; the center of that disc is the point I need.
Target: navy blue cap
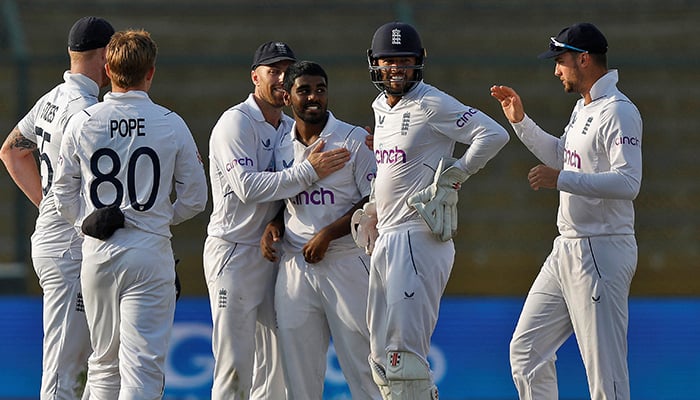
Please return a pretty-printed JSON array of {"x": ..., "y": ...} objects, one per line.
[
  {"x": 582, "y": 37},
  {"x": 89, "y": 33}
]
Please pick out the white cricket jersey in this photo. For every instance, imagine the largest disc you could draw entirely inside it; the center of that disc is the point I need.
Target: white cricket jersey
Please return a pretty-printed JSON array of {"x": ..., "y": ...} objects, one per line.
[
  {"x": 44, "y": 125},
  {"x": 330, "y": 198},
  {"x": 131, "y": 151},
  {"x": 411, "y": 138},
  {"x": 600, "y": 155},
  {"x": 245, "y": 187}
]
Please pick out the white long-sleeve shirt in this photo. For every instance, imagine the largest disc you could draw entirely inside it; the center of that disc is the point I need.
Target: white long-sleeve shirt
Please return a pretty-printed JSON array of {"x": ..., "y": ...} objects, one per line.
[
  {"x": 44, "y": 125},
  {"x": 130, "y": 151},
  {"x": 411, "y": 137},
  {"x": 328, "y": 199},
  {"x": 600, "y": 158},
  {"x": 245, "y": 187}
]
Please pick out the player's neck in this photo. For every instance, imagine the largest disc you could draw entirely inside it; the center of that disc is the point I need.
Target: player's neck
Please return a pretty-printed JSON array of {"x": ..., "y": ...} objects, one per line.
[
  {"x": 271, "y": 113},
  {"x": 392, "y": 100},
  {"x": 309, "y": 133}
]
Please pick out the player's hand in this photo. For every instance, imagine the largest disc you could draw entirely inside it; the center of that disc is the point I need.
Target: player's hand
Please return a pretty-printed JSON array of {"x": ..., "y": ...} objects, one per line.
[
  {"x": 327, "y": 162},
  {"x": 272, "y": 235},
  {"x": 542, "y": 176},
  {"x": 315, "y": 249},
  {"x": 437, "y": 203},
  {"x": 369, "y": 139},
  {"x": 510, "y": 102}
]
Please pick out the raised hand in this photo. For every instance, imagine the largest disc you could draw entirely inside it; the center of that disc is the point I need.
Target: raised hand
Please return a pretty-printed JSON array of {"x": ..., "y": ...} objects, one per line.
[{"x": 510, "y": 102}]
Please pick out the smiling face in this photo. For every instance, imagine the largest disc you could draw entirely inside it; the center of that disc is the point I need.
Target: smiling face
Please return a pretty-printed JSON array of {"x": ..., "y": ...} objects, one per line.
[
  {"x": 308, "y": 98},
  {"x": 398, "y": 73},
  {"x": 268, "y": 82}
]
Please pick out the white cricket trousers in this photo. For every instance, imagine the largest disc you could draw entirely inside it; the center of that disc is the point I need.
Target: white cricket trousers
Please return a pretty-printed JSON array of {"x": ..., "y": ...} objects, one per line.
[
  {"x": 582, "y": 288},
  {"x": 66, "y": 344},
  {"x": 130, "y": 305},
  {"x": 241, "y": 286},
  {"x": 313, "y": 302},
  {"x": 410, "y": 269}
]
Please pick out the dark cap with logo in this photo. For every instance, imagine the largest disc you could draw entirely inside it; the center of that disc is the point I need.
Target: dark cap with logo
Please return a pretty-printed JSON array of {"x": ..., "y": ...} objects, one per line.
[
  {"x": 581, "y": 37},
  {"x": 272, "y": 52},
  {"x": 89, "y": 33}
]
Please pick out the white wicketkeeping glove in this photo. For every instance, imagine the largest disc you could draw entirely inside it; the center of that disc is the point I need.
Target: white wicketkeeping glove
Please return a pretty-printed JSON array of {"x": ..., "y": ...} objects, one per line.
[
  {"x": 363, "y": 225},
  {"x": 437, "y": 203}
]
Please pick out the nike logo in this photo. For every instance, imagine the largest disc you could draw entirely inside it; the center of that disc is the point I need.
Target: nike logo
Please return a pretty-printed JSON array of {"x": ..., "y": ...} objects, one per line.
[
  {"x": 407, "y": 295},
  {"x": 595, "y": 299}
]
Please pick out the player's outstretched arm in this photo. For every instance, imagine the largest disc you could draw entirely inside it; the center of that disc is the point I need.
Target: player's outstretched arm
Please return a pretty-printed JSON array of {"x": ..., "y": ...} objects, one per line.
[{"x": 17, "y": 154}]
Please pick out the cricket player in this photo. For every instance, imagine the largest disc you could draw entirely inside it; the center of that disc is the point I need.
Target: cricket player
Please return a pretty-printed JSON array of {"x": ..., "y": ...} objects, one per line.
[
  {"x": 596, "y": 165},
  {"x": 416, "y": 128},
  {"x": 56, "y": 252},
  {"x": 247, "y": 193},
  {"x": 118, "y": 165},
  {"x": 322, "y": 284}
]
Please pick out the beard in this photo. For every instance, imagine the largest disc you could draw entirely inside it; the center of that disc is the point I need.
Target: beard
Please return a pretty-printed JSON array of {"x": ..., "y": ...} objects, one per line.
[{"x": 311, "y": 117}]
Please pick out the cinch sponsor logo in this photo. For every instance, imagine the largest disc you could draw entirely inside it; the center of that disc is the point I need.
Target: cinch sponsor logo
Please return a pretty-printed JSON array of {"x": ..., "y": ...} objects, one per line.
[
  {"x": 391, "y": 156},
  {"x": 317, "y": 197},
  {"x": 572, "y": 158},
  {"x": 620, "y": 140},
  {"x": 245, "y": 161},
  {"x": 464, "y": 118}
]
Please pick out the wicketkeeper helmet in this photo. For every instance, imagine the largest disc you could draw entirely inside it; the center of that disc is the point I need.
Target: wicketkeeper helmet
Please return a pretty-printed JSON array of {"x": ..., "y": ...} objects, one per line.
[{"x": 395, "y": 39}]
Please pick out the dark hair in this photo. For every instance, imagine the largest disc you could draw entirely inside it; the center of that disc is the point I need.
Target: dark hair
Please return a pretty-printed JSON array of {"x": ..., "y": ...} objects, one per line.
[
  {"x": 300, "y": 68},
  {"x": 600, "y": 59}
]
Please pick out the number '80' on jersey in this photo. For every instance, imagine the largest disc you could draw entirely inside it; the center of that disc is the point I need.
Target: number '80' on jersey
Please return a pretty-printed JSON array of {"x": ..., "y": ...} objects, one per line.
[{"x": 130, "y": 151}]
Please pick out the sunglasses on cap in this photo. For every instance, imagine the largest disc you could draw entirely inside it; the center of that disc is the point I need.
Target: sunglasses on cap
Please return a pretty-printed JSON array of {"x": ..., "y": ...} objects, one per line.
[{"x": 554, "y": 44}]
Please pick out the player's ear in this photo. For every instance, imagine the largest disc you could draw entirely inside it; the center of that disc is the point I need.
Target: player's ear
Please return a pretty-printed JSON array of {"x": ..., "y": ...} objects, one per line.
[
  {"x": 287, "y": 99},
  {"x": 150, "y": 73},
  {"x": 254, "y": 77}
]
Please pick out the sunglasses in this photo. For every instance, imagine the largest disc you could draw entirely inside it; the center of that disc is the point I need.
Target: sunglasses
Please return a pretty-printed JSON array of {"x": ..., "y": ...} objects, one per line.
[{"x": 554, "y": 44}]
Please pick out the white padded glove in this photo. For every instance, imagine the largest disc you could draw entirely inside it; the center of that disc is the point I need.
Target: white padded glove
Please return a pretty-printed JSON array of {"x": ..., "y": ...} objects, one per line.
[
  {"x": 437, "y": 203},
  {"x": 363, "y": 224}
]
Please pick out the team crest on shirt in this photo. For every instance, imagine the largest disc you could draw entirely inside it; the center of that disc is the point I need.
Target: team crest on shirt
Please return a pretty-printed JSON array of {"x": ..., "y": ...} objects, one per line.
[
  {"x": 588, "y": 124},
  {"x": 405, "y": 123},
  {"x": 79, "y": 304},
  {"x": 223, "y": 298}
]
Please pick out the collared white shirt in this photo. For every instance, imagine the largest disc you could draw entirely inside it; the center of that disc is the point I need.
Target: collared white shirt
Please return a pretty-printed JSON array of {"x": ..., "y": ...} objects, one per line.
[
  {"x": 245, "y": 187},
  {"x": 411, "y": 137},
  {"x": 331, "y": 197},
  {"x": 600, "y": 158},
  {"x": 44, "y": 125},
  {"x": 135, "y": 152}
]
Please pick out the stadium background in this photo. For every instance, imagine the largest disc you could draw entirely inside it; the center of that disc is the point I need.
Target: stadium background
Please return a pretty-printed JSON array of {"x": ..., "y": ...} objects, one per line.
[{"x": 506, "y": 229}]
